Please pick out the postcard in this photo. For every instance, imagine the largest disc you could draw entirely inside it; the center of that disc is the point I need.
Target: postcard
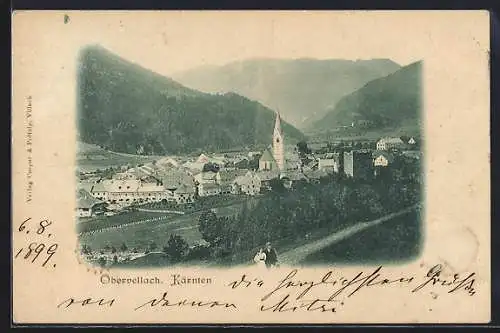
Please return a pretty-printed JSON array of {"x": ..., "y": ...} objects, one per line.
[{"x": 250, "y": 167}]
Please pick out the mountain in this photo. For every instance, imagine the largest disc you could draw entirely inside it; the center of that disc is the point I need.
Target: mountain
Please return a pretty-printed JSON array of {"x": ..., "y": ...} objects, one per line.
[
  {"x": 301, "y": 89},
  {"x": 390, "y": 102},
  {"x": 126, "y": 108}
]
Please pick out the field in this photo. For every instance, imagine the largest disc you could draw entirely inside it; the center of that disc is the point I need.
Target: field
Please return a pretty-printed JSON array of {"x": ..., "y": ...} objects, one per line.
[
  {"x": 158, "y": 229},
  {"x": 361, "y": 134},
  {"x": 100, "y": 222},
  {"x": 391, "y": 242},
  {"x": 141, "y": 235},
  {"x": 91, "y": 157}
]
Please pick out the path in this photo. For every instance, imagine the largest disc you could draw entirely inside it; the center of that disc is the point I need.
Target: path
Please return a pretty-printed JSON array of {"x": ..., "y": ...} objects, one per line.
[
  {"x": 160, "y": 211},
  {"x": 297, "y": 255}
]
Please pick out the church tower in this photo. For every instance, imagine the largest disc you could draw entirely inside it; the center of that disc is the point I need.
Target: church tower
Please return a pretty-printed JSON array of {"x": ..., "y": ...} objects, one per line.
[{"x": 278, "y": 143}]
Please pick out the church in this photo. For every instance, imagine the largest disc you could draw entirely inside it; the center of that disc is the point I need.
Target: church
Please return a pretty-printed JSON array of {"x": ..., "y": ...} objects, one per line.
[{"x": 273, "y": 158}]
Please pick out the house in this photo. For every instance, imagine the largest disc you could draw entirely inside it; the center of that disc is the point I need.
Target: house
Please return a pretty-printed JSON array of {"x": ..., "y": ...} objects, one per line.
[
  {"x": 293, "y": 161},
  {"x": 194, "y": 167},
  {"x": 390, "y": 143},
  {"x": 173, "y": 179},
  {"x": 206, "y": 177},
  {"x": 382, "y": 159},
  {"x": 412, "y": 141},
  {"x": 99, "y": 191},
  {"x": 87, "y": 205},
  {"x": 184, "y": 194},
  {"x": 225, "y": 178},
  {"x": 203, "y": 159},
  {"x": 248, "y": 184},
  {"x": 208, "y": 189},
  {"x": 329, "y": 161},
  {"x": 149, "y": 192},
  {"x": 129, "y": 191},
  {"x": 358, "y": 164}
]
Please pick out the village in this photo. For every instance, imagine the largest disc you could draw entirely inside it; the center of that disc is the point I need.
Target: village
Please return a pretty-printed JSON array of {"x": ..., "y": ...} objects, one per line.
[
  {"x": 183, "y": 184},
  {"x": 179, "y": 182}
]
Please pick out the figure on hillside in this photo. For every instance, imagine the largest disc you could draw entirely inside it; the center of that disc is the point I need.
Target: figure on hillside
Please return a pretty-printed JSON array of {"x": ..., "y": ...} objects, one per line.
[
  {"x": 260, "y": 258},
  {"x": 271, "y": 256}
]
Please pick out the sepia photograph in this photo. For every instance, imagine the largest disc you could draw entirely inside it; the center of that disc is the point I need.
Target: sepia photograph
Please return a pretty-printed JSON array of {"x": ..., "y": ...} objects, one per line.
[{"x": 258, "y": 161}]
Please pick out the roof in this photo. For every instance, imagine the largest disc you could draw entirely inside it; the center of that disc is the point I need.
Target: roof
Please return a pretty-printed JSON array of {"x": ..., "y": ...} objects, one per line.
[
  {"x": 194, "y": 165},
  {"x": 267, "y": 156},
  {"x": 185, "y": 189},
  {"x": 99, "y": 187},
  {"x": 209, "y": 186},
  {"x": 150, "y": 187},
  {"x": 128, "y": 185},
  {"x": 175, "y": 178},
  {"x": 86, "y": 200},
  {"x": 391, "y": 140},
  {"x": 230, "y": 175},
  {"x": 388, "y": 156},
  {"x": 87, "y": 186},
  {"x": 246, "y": 179},
  {"x": 208, "y": 175},
  {"x": 413, "y": 153},
  {"x": 203, "y": 159}
]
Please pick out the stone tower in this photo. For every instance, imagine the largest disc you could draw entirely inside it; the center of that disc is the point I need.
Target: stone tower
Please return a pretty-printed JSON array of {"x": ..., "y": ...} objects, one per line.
[{"x": 278, "y": 144}]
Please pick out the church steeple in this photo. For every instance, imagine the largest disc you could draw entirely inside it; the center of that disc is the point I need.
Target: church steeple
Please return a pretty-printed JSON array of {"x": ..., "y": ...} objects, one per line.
[{"x": 278, "y": 143}]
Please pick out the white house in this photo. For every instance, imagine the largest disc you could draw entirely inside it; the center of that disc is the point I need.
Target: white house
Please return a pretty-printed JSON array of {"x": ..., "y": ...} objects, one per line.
[
  {"x": 328, "y": 162},
  {"x": 87, "y": 205},
  {"x": 382, "y": 159},
  {"x": 248, "y": 184},
  {"x": 390, "y": 143},
  {"x": 208, "y": 189}
]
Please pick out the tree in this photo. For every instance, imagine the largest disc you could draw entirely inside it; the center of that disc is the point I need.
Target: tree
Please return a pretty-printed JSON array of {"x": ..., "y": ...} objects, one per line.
[
  {"x": 211, "y": 167},
  {"x": 124, "y": 247},
  {"x": 209, "y": 226},
  {"x": 86, "y": 249},
  {"x": 102, "y": 261},
  {"x": 176, "y": 248},
  {"x": 302, "y": 148},
  {"x": 152, "y": 246}
]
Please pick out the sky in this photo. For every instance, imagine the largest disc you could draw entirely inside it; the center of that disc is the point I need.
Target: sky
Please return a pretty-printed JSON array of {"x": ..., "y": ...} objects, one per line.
[{"x": 169, "y": 42}]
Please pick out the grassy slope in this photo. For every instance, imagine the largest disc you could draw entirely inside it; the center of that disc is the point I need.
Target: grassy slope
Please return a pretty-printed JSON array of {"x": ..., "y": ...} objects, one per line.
[
  {"x": 391, "y": 242},
  {"x": 386, "y": 103}
]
